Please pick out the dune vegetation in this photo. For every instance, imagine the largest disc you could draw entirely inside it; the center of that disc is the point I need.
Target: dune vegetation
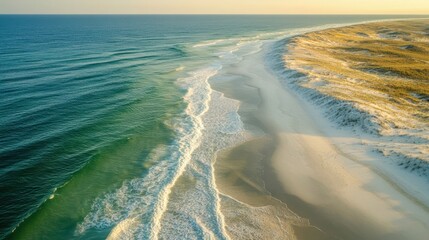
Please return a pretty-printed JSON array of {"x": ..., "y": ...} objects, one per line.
[{"x": 382, "y": 68}]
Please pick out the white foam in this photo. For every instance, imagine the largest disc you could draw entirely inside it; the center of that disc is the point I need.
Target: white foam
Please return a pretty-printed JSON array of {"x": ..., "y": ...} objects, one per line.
[
  {"x": 209, "y": 43},
  {"x": 194, "y": 213},
  {"x": 181, "y": 68}
]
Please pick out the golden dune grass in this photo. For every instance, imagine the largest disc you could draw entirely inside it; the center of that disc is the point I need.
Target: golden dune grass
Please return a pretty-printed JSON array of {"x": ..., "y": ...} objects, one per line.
[{"x": 381, "y": 67}]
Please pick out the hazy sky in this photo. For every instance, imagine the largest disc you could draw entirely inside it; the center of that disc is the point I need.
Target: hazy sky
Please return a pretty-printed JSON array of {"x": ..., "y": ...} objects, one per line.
[{"x": 217, "y": 6}]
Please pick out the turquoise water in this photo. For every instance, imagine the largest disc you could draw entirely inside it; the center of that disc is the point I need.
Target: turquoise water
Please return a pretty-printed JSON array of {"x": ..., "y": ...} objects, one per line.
[{"x": 101, "y": 115}]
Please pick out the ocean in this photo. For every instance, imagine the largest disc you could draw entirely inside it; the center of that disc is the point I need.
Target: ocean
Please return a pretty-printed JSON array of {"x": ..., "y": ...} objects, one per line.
[{"x": 100, "y": 116}]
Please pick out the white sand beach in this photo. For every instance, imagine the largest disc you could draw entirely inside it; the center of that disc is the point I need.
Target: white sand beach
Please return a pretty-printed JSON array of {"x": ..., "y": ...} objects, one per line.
[{"x": 321, "y": 174}]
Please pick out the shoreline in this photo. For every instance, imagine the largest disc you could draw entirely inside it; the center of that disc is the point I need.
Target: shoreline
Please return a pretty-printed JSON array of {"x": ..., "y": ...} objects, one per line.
[
  {"x": 339, "y": 195},
  {"x": 395, "y": 145}
]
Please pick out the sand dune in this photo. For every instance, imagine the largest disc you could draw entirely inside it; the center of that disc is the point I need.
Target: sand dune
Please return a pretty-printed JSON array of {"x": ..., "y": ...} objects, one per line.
[{"x": 315, "y": 170}]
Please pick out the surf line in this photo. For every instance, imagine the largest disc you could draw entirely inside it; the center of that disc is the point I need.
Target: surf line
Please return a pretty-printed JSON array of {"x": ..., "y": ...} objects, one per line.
[{"x": 190, "y": 141}]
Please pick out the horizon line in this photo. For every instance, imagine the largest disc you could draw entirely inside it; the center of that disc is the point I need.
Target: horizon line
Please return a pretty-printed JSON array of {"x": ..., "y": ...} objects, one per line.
[{"x": 249, "y": 14}]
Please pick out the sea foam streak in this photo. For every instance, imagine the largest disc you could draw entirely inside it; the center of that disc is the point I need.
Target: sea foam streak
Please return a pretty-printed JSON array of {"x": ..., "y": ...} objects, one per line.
[{"x": 195, "y": 208}]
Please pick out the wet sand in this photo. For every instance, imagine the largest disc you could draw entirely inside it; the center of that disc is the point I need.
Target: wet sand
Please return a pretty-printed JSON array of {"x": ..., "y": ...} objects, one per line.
[{"x": 297, "y": 168}]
